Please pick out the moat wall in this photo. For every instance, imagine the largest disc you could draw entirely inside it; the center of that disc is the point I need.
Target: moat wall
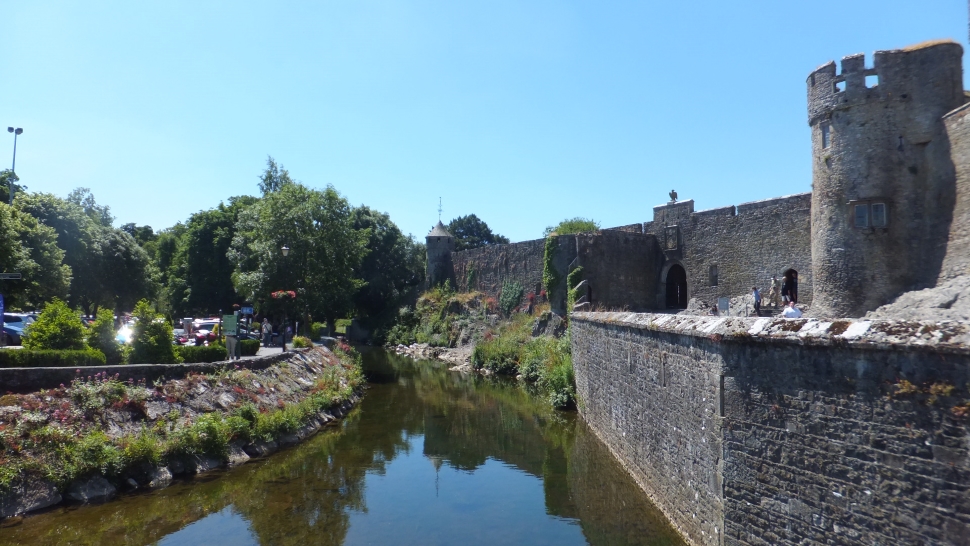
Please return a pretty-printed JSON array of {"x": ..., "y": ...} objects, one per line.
[{"x": 775, "y": 431}]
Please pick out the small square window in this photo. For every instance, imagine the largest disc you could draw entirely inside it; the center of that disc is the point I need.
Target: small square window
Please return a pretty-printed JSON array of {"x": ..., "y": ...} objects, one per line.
[
  {"x": 879, "y": 215},
  {"x": 862, "y": 216},
  {"x": 826, "y": 135}
]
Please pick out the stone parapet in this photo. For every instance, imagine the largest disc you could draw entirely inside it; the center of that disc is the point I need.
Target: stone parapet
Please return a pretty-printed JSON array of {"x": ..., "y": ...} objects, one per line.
[{"x": 785, "y": 431}]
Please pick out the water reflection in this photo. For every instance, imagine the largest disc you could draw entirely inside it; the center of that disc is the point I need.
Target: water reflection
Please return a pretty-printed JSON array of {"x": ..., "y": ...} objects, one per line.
[{"x": 429, "y": 457}]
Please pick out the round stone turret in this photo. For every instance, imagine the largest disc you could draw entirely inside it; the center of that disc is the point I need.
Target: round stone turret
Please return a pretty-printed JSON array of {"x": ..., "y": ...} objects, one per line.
[
  {"x": 883, "y": 183},
  {"x": 440, "y": 244}
]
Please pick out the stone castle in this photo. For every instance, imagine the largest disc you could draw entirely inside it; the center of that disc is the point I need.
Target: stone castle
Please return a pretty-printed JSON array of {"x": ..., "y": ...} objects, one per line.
[{"x": 889, "y": 212}]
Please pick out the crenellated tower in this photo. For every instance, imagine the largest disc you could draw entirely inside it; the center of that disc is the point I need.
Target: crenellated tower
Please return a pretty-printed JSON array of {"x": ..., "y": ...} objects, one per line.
[
  {"x": 440, "y": 244},
  {"x": 883, "y": 180}
]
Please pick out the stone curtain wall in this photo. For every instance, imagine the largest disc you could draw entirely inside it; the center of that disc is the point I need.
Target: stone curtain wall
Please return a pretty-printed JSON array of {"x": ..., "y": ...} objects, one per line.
[
  {"x": 489, "y": 267},
  {"x": 748, "y": 244},
  {"x": 652, "y": 397},
  {"x": 805, "y": 424},
  {"x": 957, "y": 260},
  {"x": 622, "y": 269}
]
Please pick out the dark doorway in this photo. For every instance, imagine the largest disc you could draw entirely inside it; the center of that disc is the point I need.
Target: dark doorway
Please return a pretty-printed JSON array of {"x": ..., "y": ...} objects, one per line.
[{"x": 676, "y": 287}]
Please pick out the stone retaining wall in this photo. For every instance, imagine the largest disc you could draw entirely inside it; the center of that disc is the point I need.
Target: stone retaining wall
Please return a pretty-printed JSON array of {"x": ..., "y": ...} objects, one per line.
[
  {"x": 22, "y": 380},
  {"x": 777, "y": 431}
]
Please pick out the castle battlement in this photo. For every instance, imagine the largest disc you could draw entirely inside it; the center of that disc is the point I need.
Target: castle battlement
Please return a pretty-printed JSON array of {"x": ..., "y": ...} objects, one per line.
[{"x": 898, "y": 75}]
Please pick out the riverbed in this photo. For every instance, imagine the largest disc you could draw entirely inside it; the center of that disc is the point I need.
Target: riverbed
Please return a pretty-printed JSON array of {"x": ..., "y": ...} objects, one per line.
[{"x": 429, "y": 456}]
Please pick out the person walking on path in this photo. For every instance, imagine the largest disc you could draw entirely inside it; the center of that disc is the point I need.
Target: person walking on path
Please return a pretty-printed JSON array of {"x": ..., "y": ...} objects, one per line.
[
  {"x": 786, "y": 288},
  {"x": 267, "y": 332},
  {"x": 774, "y": 297},
  {"x": 757, "y": 301}
]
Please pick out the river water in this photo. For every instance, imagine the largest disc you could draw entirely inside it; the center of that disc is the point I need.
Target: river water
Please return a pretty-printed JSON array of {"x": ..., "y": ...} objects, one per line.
[{"x": 428, "y": 457}]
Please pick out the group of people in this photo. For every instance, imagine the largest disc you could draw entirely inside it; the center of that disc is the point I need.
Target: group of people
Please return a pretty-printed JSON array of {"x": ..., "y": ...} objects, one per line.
[
  {"x": 788, "y": 295},
  {"x": 270, "y": 333}
]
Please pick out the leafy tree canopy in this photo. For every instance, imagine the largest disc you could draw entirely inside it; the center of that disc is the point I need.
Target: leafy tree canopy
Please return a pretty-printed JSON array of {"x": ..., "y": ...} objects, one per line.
[
  {"x": 199, "y": 272},
  {"x": 30, "y": 248},
  {"x": 471, "y": 232},
  {"x": 101, "y": 214},
  {"x": 109, "y": 267},
  {"x": 274, "y": 177},
  {"x": 5, "y": 176},
  {"x": 572, "y": 225},
  {"x": 394, "y": 263},
  {"x": 324, "y": 254}
]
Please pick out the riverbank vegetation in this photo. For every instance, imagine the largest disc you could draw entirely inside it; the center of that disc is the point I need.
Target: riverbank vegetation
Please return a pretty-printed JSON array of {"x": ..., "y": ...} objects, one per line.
[
  {"x": 98, "y": 425},
  {"x": 504, "y": 337}
]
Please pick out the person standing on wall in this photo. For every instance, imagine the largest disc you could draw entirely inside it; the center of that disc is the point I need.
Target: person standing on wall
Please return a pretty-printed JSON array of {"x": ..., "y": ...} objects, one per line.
[
  {"x": 774, "y": 297},
  {"x": 757, "y": 301},
  {"x": 791, "y": 311}
]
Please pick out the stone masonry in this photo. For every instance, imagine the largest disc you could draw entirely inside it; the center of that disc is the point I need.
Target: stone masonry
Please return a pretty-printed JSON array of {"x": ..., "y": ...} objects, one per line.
[{"x": 778, "y": 431}]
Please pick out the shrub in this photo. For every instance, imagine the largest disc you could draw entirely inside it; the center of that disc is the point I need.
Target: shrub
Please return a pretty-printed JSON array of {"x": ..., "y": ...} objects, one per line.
[
  {"x": 510, "y": 297},
  {"x": 572, "y": 225},
  {"x": 58, "y": 328},
  {"x": 249, "y": 347},
  {"x": 101, "y": 336},
  {"x": 301, "y": 342},
  {"x": 151, "y": 341},
  {"x": 201, "y": 353},
  {"x": 25, "y": 358},
  {"x": 317, "y": 329},
  {"x": 499, "y": 354}
]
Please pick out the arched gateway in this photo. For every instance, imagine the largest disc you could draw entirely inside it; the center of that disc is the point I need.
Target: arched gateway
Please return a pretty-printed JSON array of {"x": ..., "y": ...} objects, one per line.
[{"x": 676, "y": 286}]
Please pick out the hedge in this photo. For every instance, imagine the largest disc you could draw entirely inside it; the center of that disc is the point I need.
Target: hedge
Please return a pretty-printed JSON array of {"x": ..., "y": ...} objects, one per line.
[
  {"x": 249, "y": 347},
  {"x": 192, "y": 354},
  {"x": 26, "y": 358}
]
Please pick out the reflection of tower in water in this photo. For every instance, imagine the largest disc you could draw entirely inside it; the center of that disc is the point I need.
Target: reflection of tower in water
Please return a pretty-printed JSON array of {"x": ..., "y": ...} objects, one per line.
[{"x": 436, "y": 461}]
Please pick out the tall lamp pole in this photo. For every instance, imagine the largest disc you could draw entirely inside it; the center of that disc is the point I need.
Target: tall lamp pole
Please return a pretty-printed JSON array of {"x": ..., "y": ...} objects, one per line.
[
  {"x": 286, "y": 251},
  {"x": 13, "y": 169}
]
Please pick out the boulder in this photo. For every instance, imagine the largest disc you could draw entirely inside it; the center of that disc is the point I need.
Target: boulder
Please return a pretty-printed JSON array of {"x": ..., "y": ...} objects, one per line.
[
  {"x": 197, "y": 464},
  {"x": 93, "y": 489},
  {"x": 26, "y": 495},
  {"x": 260, "y": 449},
  {"x": 237, "y": 455},
  {"x": 160, "y": 477}
]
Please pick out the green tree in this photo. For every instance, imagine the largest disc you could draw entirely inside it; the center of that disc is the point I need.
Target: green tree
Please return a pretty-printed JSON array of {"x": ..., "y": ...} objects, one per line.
[
  {"x": 30, "y": 248},
  {"x": 144, "y": 235},
  {"x": 151, "y": 340},
  {"x": 102, "y": 337},
  {"x": 472, "y": 232},
  {"x": 201, "y": 268},
  {"x": 109, "y": 267},
  {"x": 57, "y": 328},
  {"x": 572, "y": 225},
  {"x": 5, "y": 176},
  {"x": 325, "y": 250},
  {"x": 100, "y": 214},
  {"x": 274, "y": 177},
  {"x": 393, "y": 266}
]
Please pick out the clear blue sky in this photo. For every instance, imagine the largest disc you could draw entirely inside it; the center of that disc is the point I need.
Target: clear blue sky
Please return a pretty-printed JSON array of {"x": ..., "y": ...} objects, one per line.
[{"x": 523, "y": 113}]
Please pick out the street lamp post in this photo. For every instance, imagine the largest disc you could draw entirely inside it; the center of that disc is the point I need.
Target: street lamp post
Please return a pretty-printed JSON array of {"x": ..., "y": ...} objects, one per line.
[
  {"x": 13, "y": 169},
  {"x": 286, "y": 251}
]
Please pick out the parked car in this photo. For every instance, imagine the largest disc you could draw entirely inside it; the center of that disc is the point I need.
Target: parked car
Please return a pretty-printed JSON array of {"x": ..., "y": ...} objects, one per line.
[
  {"x": 20, "y": 320},
  {"x": 12, "y": 335}
]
